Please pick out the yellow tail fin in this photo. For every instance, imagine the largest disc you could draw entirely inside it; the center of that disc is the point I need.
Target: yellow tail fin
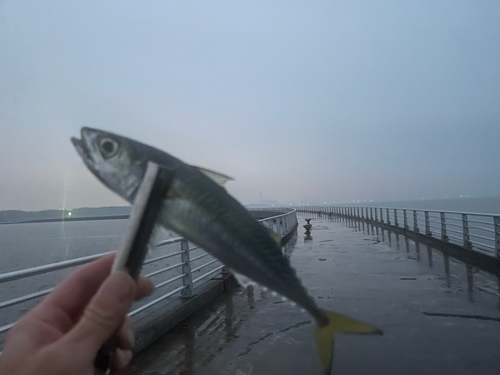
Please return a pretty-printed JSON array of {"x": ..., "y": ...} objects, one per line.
[{"x": 323, "y": 336}]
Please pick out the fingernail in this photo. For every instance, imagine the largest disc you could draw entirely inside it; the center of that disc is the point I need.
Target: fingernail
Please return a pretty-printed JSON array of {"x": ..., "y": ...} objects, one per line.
[
  {"x": 131, "y": 337},
  {"x": 121, "y": 286}
]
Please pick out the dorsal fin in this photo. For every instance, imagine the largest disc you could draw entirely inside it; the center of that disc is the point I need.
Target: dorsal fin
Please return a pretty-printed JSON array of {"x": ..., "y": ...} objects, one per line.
[{"x": 219, "y": 178}]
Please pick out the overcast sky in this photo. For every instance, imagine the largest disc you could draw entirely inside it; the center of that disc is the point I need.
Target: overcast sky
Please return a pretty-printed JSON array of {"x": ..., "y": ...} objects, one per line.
[{"x": 304, "y": 101}]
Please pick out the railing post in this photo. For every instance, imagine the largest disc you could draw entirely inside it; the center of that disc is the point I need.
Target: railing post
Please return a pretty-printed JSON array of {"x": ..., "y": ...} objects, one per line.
[
  {"x": 396, "y": 218},
  {"x": 444, "y": 235},
  {"x": 187, "y": 280},
  {"x": 371, "y": 213},
  {"x": 405, "y": 220},
  {"x": 496, "y": 227},
  {"x": 415, "y": 221},
  {"x": 381, "y": 215},
  {"x": 376, "y": 217},
  {"x": 465, "y": 228},
  {"x": 388, "y": 217},
  {"x": 427, "y": 224}
]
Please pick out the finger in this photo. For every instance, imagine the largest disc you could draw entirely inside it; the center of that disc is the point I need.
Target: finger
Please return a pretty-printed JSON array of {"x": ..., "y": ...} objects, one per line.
[
  {"x": 145, "y": 287},
  {"x": 75, "y": 292},
  {"x": 104, "y": 314},
  {"x": 125, "y": 339},
  {"x": 121, "y": 359},
  {"x": 61, "y": 309}
]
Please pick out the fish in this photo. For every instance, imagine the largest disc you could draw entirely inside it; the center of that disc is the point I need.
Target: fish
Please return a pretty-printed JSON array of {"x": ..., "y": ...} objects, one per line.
[{"x": 198, "y": 207}]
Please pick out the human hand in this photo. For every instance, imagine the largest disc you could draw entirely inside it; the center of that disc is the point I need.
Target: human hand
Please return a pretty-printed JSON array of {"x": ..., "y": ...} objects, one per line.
[{"x": 63, "y": 334}]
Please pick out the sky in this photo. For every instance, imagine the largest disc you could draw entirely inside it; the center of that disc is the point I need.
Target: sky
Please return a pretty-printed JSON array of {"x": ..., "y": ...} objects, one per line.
[{"x": 299, "y": 101}]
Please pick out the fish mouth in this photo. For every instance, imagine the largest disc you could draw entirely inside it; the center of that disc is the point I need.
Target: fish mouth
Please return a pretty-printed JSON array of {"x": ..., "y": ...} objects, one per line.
[{"x": 82, "y": 148}]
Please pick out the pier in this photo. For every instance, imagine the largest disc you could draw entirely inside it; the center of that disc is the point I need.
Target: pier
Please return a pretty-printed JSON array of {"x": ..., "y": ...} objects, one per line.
[
  {"x": 439, "y": 315},
  {"x": 437, "y": 301}
]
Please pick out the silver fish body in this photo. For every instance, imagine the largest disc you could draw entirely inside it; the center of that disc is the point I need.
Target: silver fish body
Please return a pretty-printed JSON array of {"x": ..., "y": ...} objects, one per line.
[
  {"x": 204, "y": 213},
  {"x": 198, "y": 209}
]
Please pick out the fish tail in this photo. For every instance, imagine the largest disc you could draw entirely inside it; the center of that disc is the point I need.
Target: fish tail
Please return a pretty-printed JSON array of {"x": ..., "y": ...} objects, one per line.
[{"x": 323, "y": 335}]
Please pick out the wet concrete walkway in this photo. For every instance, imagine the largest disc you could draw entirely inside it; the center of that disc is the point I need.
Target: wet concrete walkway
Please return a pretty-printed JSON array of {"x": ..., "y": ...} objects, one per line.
[{"x": 439, "y": 316}]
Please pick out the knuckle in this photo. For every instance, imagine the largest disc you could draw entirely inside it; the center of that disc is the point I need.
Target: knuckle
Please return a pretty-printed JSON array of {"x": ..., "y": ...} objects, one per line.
[{"x": 100, "y": 316}]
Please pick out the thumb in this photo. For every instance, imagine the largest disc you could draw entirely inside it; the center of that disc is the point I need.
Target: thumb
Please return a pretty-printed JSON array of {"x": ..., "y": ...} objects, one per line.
[{"x": 105, "y": 312}]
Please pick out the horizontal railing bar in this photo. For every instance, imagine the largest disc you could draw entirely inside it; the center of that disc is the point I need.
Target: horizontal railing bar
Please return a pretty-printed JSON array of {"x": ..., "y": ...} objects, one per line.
[
  {"x": 162, "y": 257},
  {"x": 481, "y": 222},
  {"x": 454, "y": 231},
  {"x": 475, "y": 243},
  {"x": 204, "y": 265},
  {"x": 275, "y": 217},
  {"x": 453, "y": 218},
  {"x": 483, "y": 237},
  {"x": 25, "y": 298},
  {"x": 169, "y": 241},
  {"x": 154, "y": 302},
  {"x": 15, "y": 275},
  {"x": 165, "y": 269},
  {"x": 199, "y": 257},
  {"x": 481, "y": 228},
  {"x": 194, "y": 248},
  {"x": 166, "y": 282},
  {"x": 208, "y": 273},
  {"x": 454, "y": 225},
  {"x": 6, "y": 327},
  {"x": 455, "y": 237}
]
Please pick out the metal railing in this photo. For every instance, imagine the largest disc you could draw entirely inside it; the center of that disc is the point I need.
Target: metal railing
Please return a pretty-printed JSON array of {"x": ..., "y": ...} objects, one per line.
[
  {"x": 471, "y": 230},
  {"x": 187, "y": 267}
]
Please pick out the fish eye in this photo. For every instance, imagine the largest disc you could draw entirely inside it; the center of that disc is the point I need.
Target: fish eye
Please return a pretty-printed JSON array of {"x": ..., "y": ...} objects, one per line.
[{"x": 109, "y": 147}]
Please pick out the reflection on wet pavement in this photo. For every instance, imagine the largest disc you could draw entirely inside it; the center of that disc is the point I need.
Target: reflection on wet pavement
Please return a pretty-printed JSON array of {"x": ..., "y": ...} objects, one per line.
[{"x": 438, "y": 314}]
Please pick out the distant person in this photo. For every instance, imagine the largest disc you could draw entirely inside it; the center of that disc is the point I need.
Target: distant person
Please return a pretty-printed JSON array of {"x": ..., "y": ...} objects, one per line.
[{"x": 63, "y": 334}]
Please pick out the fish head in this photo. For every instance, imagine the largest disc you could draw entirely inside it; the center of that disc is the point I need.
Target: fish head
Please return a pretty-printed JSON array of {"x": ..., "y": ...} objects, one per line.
[{"x": 113, "y": 159}]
